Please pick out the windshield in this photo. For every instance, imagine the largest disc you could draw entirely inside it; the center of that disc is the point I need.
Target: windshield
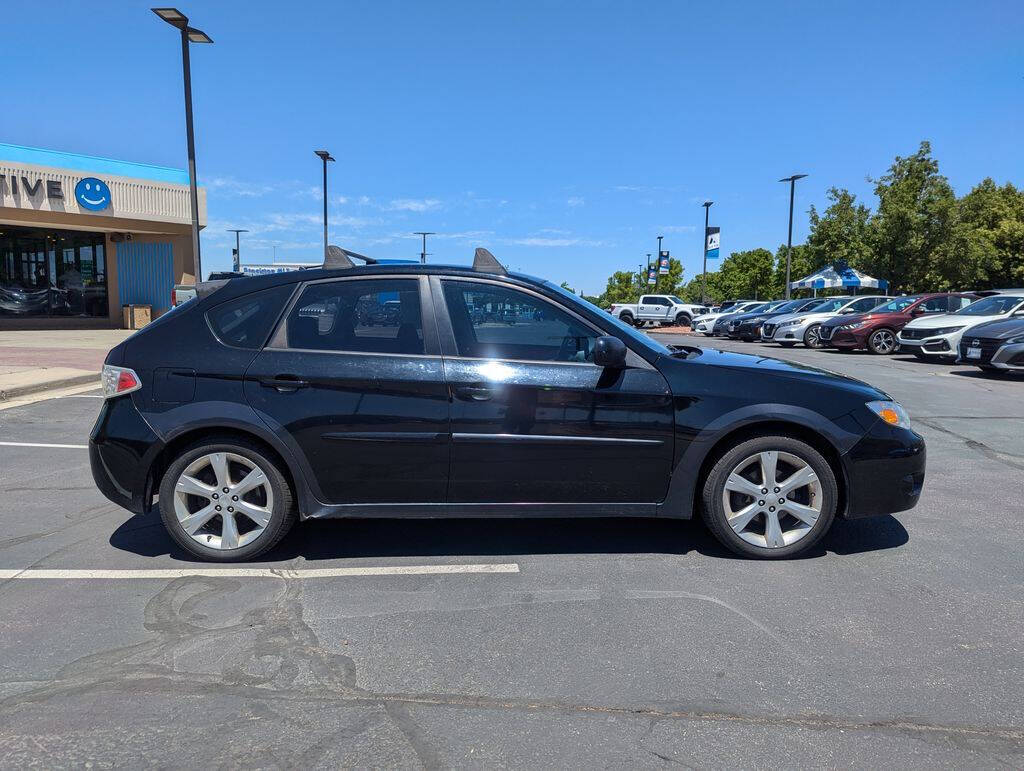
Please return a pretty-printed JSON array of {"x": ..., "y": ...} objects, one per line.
[
  {"x": 649, "y": 342},
  {"x": 792, "y": 305},
  {"x": 991, "y": 306},
  {"x": 897, "y": 305},
  {"x": 676, "y": 300}
]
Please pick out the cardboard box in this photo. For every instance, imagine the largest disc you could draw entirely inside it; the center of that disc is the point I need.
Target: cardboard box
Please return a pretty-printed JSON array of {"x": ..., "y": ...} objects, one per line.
[{"x": 136, "y": 316}]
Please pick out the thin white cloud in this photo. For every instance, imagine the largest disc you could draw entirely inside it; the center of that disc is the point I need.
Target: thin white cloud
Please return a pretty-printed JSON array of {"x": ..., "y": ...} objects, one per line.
[
  {"x": 413, "y": 204},
  {"x": 678, "y": 229},
  {"x": 556, "y": 242},
  {"x": 574, "y": 201},
  {"x": 229, "y": 187}
]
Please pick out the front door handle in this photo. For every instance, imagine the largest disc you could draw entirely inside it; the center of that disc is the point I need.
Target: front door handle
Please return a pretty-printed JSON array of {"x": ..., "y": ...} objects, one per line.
[
  {"x": 284, "y": 383},
  {"x": 473, "y": 393}
]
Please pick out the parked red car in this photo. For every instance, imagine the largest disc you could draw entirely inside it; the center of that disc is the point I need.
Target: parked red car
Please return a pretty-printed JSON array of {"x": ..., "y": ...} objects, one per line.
[{"x": 877, "y": 330}]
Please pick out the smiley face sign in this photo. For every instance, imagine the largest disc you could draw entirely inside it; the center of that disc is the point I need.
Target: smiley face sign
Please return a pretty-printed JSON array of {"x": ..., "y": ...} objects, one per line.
[{"x": 92, "y": 194}]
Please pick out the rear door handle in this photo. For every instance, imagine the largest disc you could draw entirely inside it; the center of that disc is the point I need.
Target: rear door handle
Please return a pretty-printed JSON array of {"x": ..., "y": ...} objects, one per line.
[
  {"x": 284, "y": 383},
  {"x": 473, "y": 393}
]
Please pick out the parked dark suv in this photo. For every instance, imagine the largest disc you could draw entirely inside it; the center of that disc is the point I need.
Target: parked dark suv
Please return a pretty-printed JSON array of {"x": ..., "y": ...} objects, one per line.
[{"x": 266, "y": 399}]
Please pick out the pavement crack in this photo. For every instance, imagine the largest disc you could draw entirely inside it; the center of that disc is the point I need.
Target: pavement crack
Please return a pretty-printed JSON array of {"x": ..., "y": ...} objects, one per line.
[{"x": 973, "y": 444}]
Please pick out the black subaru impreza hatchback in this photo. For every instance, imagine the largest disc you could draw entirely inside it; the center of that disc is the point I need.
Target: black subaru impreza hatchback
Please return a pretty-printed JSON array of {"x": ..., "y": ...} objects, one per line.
[{"x": 438, "y": 391}]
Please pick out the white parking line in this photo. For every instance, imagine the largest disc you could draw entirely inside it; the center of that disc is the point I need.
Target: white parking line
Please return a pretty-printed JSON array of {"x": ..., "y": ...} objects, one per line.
[
  {"x": 382, "y": 570},
  {"x": 39, "y": 444}
]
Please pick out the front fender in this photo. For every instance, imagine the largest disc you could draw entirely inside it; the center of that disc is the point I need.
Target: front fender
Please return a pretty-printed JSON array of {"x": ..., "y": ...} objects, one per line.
[{"x": 678, "y": 502}]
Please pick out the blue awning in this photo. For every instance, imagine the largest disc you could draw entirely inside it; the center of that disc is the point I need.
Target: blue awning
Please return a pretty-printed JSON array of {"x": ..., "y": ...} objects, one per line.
[{"x": 834, "y": 277}]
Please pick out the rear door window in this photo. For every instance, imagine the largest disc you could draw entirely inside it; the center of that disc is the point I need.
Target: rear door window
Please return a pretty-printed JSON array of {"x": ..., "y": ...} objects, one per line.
[
  {"x": 245, "y": 322},
  {"x": 362, "y": 316}
]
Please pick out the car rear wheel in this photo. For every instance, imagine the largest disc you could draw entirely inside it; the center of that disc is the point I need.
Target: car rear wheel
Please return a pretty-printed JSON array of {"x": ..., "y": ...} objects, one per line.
[
  {"x": 226, "y": 500},
  {"x": 882, "y": 341},
  {"x": 627, "y": 318},
  {"x": 770, "y": 497},
  {"x": 812, "y": 337}
]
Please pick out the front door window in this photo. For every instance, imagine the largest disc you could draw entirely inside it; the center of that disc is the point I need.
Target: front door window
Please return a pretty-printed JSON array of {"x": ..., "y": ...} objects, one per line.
[{"x": 495, "y": 322}]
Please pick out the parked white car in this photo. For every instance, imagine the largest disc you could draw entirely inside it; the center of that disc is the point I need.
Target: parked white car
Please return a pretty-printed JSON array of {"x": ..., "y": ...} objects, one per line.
[
  {"x": 659, "y": 308},
  {"x": 803, "y": 327},
  {"x": 705, "y": 323},
  {"x": 939, "y": 336}
]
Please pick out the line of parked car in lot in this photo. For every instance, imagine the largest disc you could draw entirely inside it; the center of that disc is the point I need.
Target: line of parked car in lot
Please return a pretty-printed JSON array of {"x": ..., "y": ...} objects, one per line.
[{"x": 984, "y": 328}]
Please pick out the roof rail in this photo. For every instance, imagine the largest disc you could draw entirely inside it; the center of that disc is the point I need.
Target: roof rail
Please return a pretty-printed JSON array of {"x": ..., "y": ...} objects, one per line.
[
  {"x": 338, "y": 258},
  {"x": 485, "y": 262}
]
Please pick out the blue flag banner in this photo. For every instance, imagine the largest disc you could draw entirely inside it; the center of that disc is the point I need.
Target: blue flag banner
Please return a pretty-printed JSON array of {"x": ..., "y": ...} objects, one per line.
[
  {"x": 711, "y": 243},
  {"x": 652, "y": 276},
  {"x": 663, "y": 263}
]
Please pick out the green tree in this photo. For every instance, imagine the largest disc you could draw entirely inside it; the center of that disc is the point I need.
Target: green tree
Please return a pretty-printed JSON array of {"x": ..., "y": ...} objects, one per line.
[
  {"x": 987, "y": 248},
  {"x": 840, "y": 233},
  {"x": 912, "y": 228},
  {"x": 747, "y": 274},
  {"x": 623, "y": 287}
]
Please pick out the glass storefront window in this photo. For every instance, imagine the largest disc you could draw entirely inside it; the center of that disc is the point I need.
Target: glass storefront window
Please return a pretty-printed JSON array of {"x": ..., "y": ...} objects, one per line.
[{"x": 52, "y": 273}]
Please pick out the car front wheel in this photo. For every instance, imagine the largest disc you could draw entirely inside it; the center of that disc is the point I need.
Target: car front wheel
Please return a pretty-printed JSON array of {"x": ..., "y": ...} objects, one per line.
[
  {"x": 770, "y": 497},
  {"x": 812, "y": 337},
  {"x": 226, "y": 500},
  {"x": 882, "y": 341},
  {"x": 683, "y": 320}
]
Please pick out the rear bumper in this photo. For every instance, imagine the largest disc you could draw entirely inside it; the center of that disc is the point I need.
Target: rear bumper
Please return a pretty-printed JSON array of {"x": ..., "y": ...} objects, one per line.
[
  {"x": 885, "y": 471},
  {"x": 121, "y": 447}
]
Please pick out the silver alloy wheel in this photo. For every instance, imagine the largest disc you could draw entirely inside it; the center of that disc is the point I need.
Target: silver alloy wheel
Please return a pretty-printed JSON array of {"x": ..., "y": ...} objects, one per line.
[
  {"x": 223, "y": 500},
  {"x": 884, "y": 341},
  {"x": 768, "y": 512},
  {"x": 813, "y": 337}
]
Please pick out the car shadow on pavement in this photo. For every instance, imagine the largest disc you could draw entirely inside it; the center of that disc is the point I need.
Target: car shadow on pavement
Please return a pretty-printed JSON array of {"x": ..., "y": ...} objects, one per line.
[{"x": 314, "y": 540}]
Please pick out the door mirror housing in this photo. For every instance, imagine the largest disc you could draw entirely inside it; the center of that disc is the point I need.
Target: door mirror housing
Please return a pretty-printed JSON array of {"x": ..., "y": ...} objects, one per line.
[
  {"x": 609, "y": 352},
  {"x": 918, "y": 311}
]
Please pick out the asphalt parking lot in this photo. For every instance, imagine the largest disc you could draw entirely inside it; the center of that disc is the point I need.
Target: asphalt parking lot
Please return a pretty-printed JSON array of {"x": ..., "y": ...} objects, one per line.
[{"x": 608, "y": 643}]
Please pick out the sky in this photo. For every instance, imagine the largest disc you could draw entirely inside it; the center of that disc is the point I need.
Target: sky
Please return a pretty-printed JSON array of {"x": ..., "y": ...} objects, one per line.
[{"x": 563, "y": 136}]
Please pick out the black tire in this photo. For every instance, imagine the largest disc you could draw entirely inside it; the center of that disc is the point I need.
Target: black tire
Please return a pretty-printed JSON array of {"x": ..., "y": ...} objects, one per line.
[
  {"x": 683, "y": 319},
  {"x": 880, "y": 348},
  {"x": 713, "y": 509},
  {"x": 627, "y": 318},
  {"x": 283, "y": 514},
  {"x": 787, "y": 344},
  {"x": 811, "y": 338}
]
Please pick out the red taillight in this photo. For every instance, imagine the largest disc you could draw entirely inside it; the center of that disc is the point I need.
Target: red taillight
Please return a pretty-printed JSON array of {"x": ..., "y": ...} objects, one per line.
[
  {"x": 174, "y": 297},
  {"x": 118, "y": 380},
  {"x": 126, "y": 381}
]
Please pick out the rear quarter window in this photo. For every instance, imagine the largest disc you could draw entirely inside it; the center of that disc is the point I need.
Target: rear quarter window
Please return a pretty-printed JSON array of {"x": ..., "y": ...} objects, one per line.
[{"x": 246, "y": 321}]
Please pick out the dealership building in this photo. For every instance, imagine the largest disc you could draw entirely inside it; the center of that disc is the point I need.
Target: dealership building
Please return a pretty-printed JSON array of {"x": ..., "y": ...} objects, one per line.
[{"x": 81, "y": 236}]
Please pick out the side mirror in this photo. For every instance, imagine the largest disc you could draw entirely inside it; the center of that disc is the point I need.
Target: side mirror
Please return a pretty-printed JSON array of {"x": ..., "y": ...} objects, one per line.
[
  {"x": 918, "y": 311},
  {"x": 609, "y": 352}
]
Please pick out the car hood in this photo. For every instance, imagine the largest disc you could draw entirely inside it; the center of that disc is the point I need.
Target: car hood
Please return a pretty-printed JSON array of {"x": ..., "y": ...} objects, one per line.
[
  {"x": 790, "y": 316},
  {"x": 946, "y": 320},
  {"x": 1000, "y": 329},
  {"x": 851, "y": 318},
  {"x": 752, "y": 364}
]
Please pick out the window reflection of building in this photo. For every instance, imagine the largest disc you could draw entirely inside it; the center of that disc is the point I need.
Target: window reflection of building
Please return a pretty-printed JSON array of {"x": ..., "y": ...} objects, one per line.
[{"x": 52, "y": 273}]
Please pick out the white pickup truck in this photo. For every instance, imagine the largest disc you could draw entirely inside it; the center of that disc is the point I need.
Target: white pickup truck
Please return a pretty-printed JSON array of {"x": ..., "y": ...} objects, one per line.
[{"x": 659, "y": 308}]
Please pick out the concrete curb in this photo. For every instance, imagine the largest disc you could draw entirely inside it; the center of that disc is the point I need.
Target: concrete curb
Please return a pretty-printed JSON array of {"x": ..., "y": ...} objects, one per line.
[{"x": 48, "y": 385}]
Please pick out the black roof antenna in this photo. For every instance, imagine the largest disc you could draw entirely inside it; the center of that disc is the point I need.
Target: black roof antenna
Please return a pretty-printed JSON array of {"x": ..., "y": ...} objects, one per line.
[
  {"x": 485, "y": 262},
  {"x": 338, "y": 258}
]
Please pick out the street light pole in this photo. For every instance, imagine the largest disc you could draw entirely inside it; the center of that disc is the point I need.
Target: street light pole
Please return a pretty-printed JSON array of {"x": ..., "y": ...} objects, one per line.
[
  {"x": 789, "y": 241},
  {"x": 423, "y": 254},
  {"x": 703, "y": 276},
  {"x": 324, "y": 156},
  {"x": 237, "y": 261},
  {"x": 658, "y": 261},
  {"x": 177, "y": 19}
]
